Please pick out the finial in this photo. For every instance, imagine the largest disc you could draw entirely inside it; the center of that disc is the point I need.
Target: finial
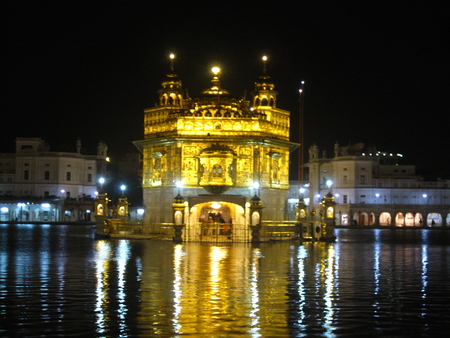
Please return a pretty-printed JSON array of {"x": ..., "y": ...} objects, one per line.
[
  {"x": 215, "y": 70},
  {"x": 172, "y": 57},
  {"x": 264, "y": 58}
]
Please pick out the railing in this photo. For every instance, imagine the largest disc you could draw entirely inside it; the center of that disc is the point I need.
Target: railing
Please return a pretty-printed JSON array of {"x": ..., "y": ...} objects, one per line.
[{"x": 203, "y": 232}]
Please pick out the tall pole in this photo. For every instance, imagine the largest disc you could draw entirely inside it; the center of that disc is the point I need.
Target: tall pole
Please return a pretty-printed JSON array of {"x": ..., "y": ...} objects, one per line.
[{"x": 301, "y": 177}]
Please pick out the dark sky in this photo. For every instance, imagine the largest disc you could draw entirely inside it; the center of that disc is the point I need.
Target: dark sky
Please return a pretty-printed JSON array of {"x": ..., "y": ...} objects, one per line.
[{"x": 376, "y": 72}]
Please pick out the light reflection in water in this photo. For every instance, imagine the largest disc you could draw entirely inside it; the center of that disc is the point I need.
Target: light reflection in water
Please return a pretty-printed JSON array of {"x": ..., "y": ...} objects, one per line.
[
  {"x": 102, "y": 262},
  {"x": 254, "y": 275},
  {"x": 177, "y": 292},
  {"x": 329, "y": 292},
  {"x": 301, "y": 256},
  {"x": 377, "y": 283},
  {"x": 424, "y": 278},
  {"x": 123, "y": 252}
]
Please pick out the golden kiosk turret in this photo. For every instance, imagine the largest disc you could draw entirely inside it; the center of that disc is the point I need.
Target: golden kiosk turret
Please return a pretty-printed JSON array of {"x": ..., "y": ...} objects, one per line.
[
  {"x": 178, "y": 217},
  {"x": 101, "y": 213},
  {"x": 328, "y": 217}
]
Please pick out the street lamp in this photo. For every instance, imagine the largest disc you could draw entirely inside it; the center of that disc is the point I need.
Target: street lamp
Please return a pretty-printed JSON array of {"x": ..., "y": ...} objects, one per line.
[
  {"x": 255, "y": 186},
  {"x": 101, "y": 180},
  {"x": 426, "y": 216},
  {"x": 123, "y": 187}
]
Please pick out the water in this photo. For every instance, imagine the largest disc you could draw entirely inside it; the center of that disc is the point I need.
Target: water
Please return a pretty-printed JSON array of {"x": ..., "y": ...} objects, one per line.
[{"x": 56, "y": 280}]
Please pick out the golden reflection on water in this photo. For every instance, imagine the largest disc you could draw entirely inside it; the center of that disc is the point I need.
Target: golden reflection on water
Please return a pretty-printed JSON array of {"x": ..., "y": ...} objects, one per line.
[
  {"x": 102, "y": 275},
  {"x": 218, "y": 290}
]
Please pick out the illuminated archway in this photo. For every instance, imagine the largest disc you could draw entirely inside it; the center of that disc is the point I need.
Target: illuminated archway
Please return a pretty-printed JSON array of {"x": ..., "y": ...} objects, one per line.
[
  {"x": 344, "y": 218},
  {"x": 434, "y": 219},
  {"x": 409, "y": 219},
  {"x": 385, "y": 219},
  {"x": 217, "y": 219},
  {"x": 399, "y": 220}
]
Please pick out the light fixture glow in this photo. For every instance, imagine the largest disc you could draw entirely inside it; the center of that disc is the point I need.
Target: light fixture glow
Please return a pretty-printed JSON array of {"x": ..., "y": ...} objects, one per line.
[
  {"x": 215, "y": 70},
  {"x": 215, "y": 205}
]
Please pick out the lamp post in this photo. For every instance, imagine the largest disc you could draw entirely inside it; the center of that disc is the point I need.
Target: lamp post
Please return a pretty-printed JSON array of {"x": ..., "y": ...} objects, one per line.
[
  {"x": 256, "y": 186},
  {"x": 179, "y": 185},
  {"x": 426, "y": 203},
  {"x": 101, "y": 180},
  {"x": 329, "y": 184}
]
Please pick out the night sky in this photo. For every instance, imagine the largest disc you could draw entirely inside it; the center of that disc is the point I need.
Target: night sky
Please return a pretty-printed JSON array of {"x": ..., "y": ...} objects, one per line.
[{"x": 375, "y": 72}]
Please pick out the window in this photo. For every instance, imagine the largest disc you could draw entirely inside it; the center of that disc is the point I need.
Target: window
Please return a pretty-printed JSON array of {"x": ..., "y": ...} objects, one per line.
[
  {"x": 344, "y": 198},
  {"x": 89, "y": 178},
  {"x": 46, "y": 175},
  {"x": 26, "y": 175},
  {"x": 363, "y": 179},
  {"x": 345, "y": 179},
  {"x": 68, "y": 176}
]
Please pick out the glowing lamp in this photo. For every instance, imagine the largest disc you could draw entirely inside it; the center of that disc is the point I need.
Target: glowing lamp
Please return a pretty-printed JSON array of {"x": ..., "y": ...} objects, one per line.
[{"x": 215, "y": 205}]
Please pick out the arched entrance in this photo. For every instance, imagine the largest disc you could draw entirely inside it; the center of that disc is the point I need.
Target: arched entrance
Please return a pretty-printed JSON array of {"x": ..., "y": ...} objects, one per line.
[
  {"x": 399, "y": 220},
  {"x": 434, "y": 219},
  {"x": 217, "y": 221},
  {"x": 385, "y": 219}
]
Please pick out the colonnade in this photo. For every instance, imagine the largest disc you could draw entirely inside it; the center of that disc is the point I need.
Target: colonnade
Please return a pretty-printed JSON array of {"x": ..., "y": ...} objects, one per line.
[{"x": 393, "y": 215}]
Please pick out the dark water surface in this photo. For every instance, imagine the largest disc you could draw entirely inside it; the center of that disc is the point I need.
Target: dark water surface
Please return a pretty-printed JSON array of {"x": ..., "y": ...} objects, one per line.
[{"x": 56, "y": 280}]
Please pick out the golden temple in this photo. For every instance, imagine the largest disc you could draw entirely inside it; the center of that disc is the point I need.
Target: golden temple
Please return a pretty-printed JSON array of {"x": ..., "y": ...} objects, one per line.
[{"x": 216, "y": 152}]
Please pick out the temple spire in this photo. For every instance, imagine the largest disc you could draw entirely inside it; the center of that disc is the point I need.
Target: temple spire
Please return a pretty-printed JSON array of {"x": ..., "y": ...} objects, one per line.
[
  {"x": 264, "y": 94},
  {"x": 171, "y": 93}
]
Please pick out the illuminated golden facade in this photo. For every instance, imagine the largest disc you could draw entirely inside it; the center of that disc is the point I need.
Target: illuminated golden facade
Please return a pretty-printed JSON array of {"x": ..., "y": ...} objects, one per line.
[{"x": 215, "y": 145}]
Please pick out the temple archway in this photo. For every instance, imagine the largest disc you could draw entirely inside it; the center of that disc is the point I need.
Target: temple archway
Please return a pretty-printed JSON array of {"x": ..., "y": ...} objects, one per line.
[{"x": 217, "y": 221}]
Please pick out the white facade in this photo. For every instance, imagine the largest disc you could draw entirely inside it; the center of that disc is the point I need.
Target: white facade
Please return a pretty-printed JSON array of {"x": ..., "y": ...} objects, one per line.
[
  {"x": 374, "y": 188},
  {"x": 34, "y": 173}
]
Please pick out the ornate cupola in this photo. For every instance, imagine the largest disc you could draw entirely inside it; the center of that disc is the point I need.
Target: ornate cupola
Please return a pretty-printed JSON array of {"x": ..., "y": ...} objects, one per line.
[
  {"x": 171, "y": 93},
  {"x": 264, "y": 94}
]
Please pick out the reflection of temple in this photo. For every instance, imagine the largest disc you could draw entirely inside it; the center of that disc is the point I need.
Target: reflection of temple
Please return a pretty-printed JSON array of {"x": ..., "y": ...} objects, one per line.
[{"x": 217, "y": 152}]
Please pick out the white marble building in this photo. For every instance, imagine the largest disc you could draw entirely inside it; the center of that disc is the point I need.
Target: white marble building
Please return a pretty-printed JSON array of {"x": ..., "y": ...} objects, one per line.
[
  {"x": 36, "y": 183},
  {"x": 373, "y": 188}
]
